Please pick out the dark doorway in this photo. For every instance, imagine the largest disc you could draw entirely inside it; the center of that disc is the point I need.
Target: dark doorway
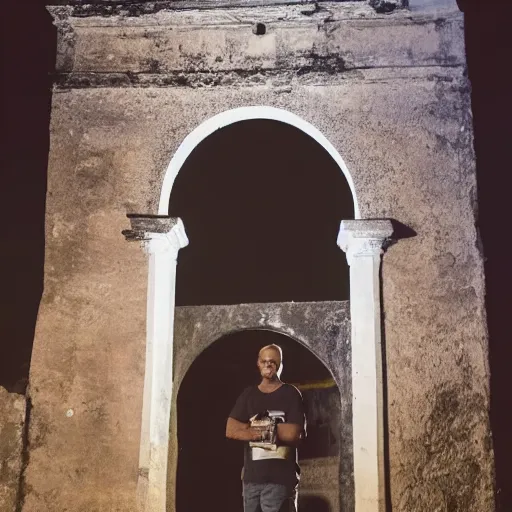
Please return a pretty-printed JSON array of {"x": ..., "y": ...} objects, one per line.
[
  {"x": 262, "y": 204},
  {"x": 209, "y": 465}
]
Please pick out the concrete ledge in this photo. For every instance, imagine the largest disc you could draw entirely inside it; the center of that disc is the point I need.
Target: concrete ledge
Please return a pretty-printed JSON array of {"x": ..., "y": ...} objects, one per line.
[
  {"x": 144, "y": 225},
  {"x": 141, "y": 7},
  {"x": 282, "y": 80},
  {"x": 330, "y": 39}
]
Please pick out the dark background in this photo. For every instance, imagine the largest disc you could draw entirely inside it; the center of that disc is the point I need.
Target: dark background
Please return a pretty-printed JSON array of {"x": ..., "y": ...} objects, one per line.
[{"x": 28, "y": 49}]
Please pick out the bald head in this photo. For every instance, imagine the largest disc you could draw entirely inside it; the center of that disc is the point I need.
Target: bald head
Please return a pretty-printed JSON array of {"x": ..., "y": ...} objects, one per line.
[
  {"x": 276, "y": 349},
  {"x": 270, "y": 359}
]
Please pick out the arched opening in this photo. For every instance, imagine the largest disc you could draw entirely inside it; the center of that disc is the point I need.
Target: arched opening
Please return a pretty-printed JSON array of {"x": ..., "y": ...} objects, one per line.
[
  {"x": 326, "y": 332},
  {"x": 262, "y": 202},
  {"x": 208, "y": 473}
]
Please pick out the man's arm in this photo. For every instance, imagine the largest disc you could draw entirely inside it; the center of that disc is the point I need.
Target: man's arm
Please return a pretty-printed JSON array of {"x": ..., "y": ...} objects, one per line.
[
  {"x": 242, "y": 431},
  {"x": 293, "y": 430},
  {"x": 289, "y": 433}
]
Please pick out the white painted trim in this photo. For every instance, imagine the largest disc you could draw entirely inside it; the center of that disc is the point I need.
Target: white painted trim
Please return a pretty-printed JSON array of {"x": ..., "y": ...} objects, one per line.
[
  {"x": 363, "y": 242},
  {"x": 158, "y": 379},
  {"x": 242, "y": 114}
]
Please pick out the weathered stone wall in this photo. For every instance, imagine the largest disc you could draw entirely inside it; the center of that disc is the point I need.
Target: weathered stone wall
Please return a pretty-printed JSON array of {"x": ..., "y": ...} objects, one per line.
[
  {"x": 12, "y": 438},
  {"x": 390, "y": 93}
]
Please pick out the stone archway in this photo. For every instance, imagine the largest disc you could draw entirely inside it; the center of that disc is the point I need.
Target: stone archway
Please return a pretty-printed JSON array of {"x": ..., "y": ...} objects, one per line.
[
  {"x": 323, "y": 328},
  {"x": 206, "y": 395},
  {"x": 362, "y": 240},
  {"x": 243, "y": 114}
]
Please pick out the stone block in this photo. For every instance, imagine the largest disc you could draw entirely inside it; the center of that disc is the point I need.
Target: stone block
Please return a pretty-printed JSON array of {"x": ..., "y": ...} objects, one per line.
[{"x": 12, "y": 430}]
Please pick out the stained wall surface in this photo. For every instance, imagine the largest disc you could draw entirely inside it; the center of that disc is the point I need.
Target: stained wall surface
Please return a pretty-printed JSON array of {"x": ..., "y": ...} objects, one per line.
[
  {"x": 12, "y": 426},
  {"x": 390, "y": 93}
]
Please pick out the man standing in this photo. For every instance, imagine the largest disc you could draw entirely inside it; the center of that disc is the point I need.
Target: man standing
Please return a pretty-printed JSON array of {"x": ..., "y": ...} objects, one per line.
[{"x": 270, "y": 418}]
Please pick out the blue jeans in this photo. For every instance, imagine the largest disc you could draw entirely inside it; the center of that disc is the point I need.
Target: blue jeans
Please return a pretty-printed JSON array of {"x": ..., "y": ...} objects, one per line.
[{"x": 269, "y": 498}]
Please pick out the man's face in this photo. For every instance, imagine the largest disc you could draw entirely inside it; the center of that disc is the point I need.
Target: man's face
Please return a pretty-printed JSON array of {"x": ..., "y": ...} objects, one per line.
[{"x": 269, "y": 361}]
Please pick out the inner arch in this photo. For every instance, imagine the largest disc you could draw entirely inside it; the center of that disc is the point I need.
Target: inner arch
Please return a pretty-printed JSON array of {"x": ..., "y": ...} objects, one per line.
[
  {"x": 209, "y": 466},
  {"x": 242, "y": 114}
]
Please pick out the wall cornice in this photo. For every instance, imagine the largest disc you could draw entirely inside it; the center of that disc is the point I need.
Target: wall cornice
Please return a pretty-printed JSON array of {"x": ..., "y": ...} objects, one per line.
[{"x": 222, "y": 46}]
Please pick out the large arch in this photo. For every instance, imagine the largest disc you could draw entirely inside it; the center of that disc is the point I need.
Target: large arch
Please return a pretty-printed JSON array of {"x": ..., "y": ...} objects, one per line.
[
  {"x": 362, "y": 240},
  {"x": 242, "y": 114}
]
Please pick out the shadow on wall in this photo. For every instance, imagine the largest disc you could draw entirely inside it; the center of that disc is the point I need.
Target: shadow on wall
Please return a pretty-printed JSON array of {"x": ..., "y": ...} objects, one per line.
[
  {"x": 313, "y": 504},
  {"x": 209, "y": 465}
]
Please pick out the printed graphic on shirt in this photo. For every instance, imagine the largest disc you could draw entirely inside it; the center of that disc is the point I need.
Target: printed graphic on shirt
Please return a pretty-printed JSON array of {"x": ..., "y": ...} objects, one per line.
[
  {"x": 267, "y": 448},
  {"x": 281, "y": 452}
]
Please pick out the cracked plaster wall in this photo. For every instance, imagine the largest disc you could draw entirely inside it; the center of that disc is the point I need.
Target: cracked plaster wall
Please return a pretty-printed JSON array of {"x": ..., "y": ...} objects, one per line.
[
  {"x": 390, "y": 93},
  {"x": 12, "y": 438}
]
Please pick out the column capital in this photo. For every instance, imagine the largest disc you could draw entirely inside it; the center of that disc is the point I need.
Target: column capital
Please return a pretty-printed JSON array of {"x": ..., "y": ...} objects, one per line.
[
  {"x": 364, "y": 237},
  {"x": 157, "y": 234}
]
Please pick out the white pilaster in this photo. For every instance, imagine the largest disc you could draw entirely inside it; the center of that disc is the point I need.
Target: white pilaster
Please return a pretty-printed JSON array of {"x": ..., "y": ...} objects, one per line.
[
  {"x": 363, "y": 242},
  {"x": 163, "y": 252}
]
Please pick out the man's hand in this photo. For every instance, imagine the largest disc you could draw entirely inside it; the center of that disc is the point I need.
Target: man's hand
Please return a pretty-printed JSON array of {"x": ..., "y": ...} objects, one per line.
[
  {"x": 243, "y": 431},
  {"x": 287, "y": 433}
]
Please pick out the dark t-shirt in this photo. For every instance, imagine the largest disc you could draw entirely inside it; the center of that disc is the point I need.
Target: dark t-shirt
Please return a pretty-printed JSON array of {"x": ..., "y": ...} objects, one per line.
[{"x": 252, "y": 401}]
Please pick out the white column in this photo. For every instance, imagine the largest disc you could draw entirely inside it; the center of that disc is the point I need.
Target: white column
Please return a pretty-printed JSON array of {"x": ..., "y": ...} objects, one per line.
[
  {"x": 163, "y": 252},
  {"x": 363, "y": 242}
]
